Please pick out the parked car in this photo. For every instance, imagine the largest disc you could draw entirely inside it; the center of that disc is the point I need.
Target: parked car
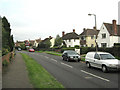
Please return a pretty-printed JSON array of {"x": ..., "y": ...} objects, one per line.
[
  {"x": 70, "y": 55},
  {"x": 19, "y": 49},
  {"x": 102, "y": 60},
  {"x": 31, "y": 50}
]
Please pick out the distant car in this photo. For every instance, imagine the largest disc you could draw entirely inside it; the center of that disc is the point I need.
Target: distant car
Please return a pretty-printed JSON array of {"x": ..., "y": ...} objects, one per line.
[
  {"x": 102, "y": 60},
  {"x": 31, "y": 50},
  {"x": 19, "y": 49},
  {"x": 71, "y": 55}
]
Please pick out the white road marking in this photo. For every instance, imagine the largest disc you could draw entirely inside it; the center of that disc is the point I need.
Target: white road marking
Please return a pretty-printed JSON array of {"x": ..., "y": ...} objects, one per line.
[
  {"x": 46, "y": 57},
  {"x": 54, "y": 60},
  {"x": 66, "y": 65},
  {"x": 95, "y": 76}
]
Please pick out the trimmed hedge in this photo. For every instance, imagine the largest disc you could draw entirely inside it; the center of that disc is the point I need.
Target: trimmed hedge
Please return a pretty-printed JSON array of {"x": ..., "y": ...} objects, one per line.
[{"x": 114, "y": 50}]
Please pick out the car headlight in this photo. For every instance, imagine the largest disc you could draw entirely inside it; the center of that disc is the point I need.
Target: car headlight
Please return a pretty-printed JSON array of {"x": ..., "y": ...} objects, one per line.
[{"x": 71, "y": 56}]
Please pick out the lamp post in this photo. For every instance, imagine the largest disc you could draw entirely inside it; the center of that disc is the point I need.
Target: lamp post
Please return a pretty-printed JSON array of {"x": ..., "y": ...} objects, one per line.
[
  {"x": 95, "y": 20},
  {"x": 96, "y": 29}
]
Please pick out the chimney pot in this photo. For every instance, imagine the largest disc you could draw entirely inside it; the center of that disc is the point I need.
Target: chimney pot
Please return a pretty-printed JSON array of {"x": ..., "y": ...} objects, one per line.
[
  {"x": 74, "y": 30},
  {"x": 63, "y": 33}
]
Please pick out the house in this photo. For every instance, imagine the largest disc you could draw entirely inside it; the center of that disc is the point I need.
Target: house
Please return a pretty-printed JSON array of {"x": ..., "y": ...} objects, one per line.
[
  {"x": 18, "y": 43},
  {"x": 51, "y": 39},
  {"x": 71, "y": 39},
  {"x": 37, "y": 41},
  {"x": 109, "y": 34},
  {"x": 88, "y": 37}
]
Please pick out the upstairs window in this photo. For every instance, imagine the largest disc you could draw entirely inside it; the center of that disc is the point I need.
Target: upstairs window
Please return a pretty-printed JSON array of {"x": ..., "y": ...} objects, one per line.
[
  {"x": 103, "y": 36},
  {"x": 82, "y": 38},
  {"x": 92, "y": 37}
]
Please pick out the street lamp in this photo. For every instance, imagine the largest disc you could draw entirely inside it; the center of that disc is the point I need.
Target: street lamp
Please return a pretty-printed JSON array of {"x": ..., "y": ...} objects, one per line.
[
  {"x": 95, "y": 20},
  {"x": 96, "y": 29}
]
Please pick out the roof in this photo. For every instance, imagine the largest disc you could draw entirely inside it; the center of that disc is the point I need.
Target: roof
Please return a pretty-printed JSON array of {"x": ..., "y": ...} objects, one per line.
[
  {"x": 38, "y": 40},
  {"x": 110, "y": 29},
  {"x": 89, "y": 32},
  {"x": 71, "y": 35},
  {"x": 32, "y": 41}
]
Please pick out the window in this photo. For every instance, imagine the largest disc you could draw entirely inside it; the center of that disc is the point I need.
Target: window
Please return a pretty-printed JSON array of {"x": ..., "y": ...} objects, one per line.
[
  {"x": 74, "y": 40},
  {"x": 103, "y": 44},
  {"x": 92, "y": 37},
  {"x": 92, "y": 45},
  {"x": 69, "y": 40},
  {"x": 82, "y": 38},
  {"x": 97, "y": 56},
  {"x": 103, "y": 36}
]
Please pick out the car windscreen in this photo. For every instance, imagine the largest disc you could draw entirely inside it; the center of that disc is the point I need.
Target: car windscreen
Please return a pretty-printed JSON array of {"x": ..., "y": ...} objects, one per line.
[
  {"x": 106, "y": 56},
  {"x": 72, "y": 53}
]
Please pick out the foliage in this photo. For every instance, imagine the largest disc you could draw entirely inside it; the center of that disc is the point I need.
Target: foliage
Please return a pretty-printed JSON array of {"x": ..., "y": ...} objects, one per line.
[
  {"x": 58, "y": 41},
  {"x": 5, "y": 63},
  {"x": 77, "y": 46},
  {"x": 4, "y": 51},
  {"x": 45, "y": 44},
  {"x": 23, "y": 47},
  {"x": 7, "y": 38}
]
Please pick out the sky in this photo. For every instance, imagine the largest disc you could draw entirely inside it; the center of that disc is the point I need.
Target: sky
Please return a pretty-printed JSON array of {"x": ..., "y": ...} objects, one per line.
[{"x": 33, "y": 19}]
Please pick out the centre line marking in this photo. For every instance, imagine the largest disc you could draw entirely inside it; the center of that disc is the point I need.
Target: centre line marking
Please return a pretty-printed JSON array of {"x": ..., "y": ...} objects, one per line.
[
  {"x": 54, "y": 60},
  {"x": 95, "y": 76},
  {"x": 66, "y": 65}
]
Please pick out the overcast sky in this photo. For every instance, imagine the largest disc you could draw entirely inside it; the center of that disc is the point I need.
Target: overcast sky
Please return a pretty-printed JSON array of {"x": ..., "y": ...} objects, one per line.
[{"x": 33, "y": 19}]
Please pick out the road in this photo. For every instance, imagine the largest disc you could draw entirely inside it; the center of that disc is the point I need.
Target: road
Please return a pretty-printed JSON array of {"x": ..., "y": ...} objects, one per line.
[{"x": 75, "y": 74}]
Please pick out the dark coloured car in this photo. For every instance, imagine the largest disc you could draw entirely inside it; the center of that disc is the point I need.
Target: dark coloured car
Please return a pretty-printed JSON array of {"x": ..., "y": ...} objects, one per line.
[{"x": 71, "y": 55}]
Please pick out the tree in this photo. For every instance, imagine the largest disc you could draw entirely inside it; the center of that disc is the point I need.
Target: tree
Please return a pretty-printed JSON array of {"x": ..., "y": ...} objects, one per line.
[
  {"x": 58, "y": 41},
  {"x": 7, "y": 38}
]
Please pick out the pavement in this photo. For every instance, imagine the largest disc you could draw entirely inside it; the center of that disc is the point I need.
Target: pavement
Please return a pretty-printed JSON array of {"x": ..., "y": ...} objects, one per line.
[
  {"x": 75, "y": 74},
  {"x": 16, "y": 75}
]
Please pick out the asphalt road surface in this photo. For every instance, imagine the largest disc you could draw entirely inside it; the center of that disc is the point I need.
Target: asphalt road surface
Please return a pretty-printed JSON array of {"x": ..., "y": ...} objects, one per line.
[{"x": 75, "y": 74}]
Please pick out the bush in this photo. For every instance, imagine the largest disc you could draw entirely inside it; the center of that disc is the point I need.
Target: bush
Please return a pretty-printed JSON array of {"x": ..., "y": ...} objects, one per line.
[
  {"x": 4, "y": 51},
  {"x": 77, "y": 46},
  {"x": 5, "y": 63}
]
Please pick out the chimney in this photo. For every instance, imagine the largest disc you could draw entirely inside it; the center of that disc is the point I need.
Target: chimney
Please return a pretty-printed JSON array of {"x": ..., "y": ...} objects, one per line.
[
  {"x": 74, "y": 30},
  {"x": 94, "y": 28},
  {"x": 84, "y": 29},
  {"x": 63, "y": 33},
  {"x": 114, "y": 27},
  {"x": 50, "y": 37}
]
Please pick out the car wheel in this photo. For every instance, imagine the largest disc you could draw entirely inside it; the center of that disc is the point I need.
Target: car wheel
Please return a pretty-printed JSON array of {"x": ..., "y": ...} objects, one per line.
[
  {"x": 68, "y": 60},
  {"x": 78, "y": 60},
  {"x": 88, "y": 64},
  {"x": 104, "y": 68}
]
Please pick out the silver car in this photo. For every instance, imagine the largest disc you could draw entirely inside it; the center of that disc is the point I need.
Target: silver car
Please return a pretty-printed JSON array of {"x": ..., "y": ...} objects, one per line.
[{"x": 102, "y": 60}]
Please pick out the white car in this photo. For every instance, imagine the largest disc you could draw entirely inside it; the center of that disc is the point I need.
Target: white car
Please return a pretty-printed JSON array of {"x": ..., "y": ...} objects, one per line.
[{"x": 102, "y": 60}]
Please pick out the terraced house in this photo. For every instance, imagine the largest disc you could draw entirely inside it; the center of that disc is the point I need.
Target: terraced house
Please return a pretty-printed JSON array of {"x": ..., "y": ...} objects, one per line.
[
  {"x": 109, "y": 34},
  {"x": 71, "y": 39},
  {"x": 88, "y": 37}
]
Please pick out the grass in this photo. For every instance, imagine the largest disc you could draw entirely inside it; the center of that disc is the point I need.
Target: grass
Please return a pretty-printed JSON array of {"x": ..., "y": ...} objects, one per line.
[
  {"x": 53, "y": 53},
  {"x": 39, "y": 77}
]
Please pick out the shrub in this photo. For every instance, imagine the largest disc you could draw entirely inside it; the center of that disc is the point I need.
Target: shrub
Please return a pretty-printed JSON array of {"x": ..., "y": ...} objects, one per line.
[
  {"x": 5, "y": 63},
  {"x": 4, "y": 51},
  {"x": 77, "y": 46}
]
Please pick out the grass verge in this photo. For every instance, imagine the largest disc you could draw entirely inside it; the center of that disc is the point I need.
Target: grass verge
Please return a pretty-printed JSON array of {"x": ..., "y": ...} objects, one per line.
[
  {"x": 39, "y": 77},
  {"x": 53, "y": 53}
]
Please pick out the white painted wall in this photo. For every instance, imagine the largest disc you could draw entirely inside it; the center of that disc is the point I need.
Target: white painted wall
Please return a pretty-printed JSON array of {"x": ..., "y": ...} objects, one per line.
[
  {"x": 114, "y": 39},
  {"x": 72, "y": 43},
  {"x": 99, "y": 40},
  {"x": 52, "y": 42}
]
